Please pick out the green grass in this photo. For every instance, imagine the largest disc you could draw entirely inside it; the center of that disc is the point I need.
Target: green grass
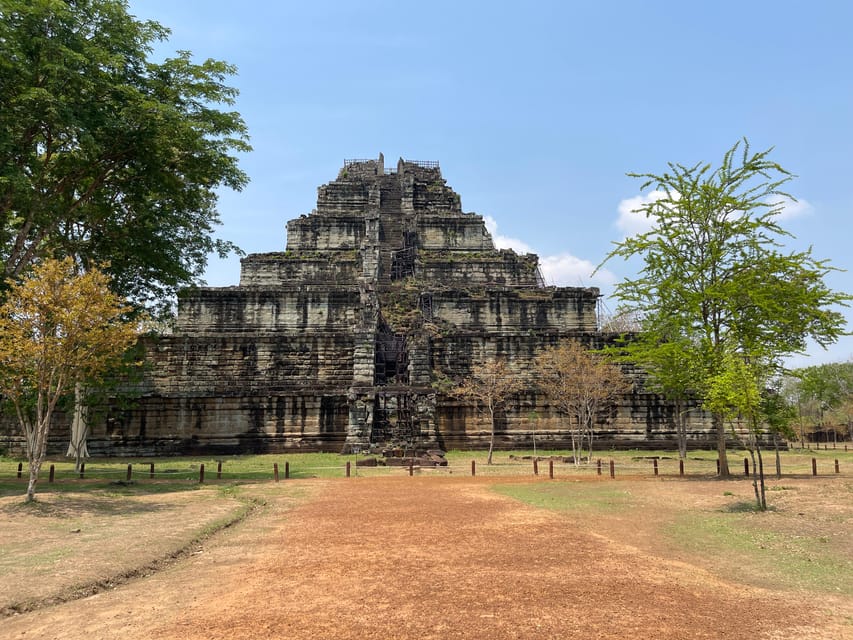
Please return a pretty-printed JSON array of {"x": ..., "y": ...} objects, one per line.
[
  {"x": 775, "y": 559},
  {"x": 182, "y": 473},
  {"x": 584, "y": 498}
]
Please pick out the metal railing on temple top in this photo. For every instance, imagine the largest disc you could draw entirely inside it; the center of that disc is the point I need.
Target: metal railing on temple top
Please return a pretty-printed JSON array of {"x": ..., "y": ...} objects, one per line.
[{"x": 424, "y": 164}]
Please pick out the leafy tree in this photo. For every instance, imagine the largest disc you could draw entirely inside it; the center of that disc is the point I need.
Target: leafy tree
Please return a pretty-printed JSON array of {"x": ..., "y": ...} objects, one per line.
[
  {"x": 715, "y": 275},
  {"x": 779, "y": 416},
  {"x": 793, "y": 395},
  {"x": 57, "y": 328},
  {"x": 107, "y": 156},
  {"x": 490, "y": 385},
  {"x": 734, "y": 393},
  {"x": 580, "y": 383},
  {"x": 742, "y": 391},
  {"x": 825, "y": 389},
  {"x": 669, "y": 363}
]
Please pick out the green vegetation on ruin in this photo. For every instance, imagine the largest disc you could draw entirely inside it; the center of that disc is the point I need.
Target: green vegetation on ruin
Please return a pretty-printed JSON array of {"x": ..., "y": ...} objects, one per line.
[{"x": 348, "y": 255}]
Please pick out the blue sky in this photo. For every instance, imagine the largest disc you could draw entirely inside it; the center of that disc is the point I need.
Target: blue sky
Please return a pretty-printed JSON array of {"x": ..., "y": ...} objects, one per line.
[{"x": 536, "y": 110}]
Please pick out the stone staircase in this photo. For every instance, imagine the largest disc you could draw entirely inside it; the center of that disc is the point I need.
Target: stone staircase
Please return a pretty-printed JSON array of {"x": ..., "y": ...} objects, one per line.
[{"x": 390, "y": 225}]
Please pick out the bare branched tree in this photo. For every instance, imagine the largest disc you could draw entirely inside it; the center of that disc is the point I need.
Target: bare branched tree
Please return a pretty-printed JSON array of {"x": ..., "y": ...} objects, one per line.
[
  {"x": 490, "y": 385},
  {"x": 580, "y": 383}
]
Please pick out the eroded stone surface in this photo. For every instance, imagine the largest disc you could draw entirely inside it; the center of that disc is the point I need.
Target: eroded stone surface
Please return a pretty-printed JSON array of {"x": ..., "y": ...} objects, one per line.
[{"x": 385, "y": 290}]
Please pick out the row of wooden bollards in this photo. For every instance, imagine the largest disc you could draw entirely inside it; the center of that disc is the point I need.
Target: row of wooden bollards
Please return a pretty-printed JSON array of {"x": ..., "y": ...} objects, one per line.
[
  {"x": 826, "y": 446},
  {"x": 129, "y": 473},
  {"x": 746, "y": 472}
]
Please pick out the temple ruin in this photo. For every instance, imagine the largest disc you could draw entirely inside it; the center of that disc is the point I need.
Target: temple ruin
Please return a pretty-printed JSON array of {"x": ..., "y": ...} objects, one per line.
[{"x": 386, "y": 295}]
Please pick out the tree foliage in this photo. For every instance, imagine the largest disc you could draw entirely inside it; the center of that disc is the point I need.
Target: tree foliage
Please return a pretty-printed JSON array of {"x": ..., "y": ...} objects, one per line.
[
  {"x": 823, "y": 393},
  {"x": 57, "y": 328},
  {"x": 490, "y": 385},
  {"x": 716, "y": 278},
  {"x": 580, "y": 383},
  {"x": 105, "y": 155}
]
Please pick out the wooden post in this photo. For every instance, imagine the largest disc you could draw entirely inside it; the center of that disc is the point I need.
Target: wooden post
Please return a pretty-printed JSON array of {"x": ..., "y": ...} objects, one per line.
[
  {"x": 219, "y": 470},
  {"x": 82, "y": 470},
  {"x": 655, "y": 462},
  {"x": 286, "y": 470},
  {"x": 52, "y": 473},
  {"x": 551, "y": 469},
  {"x": 598, "y": 465},
  {"x": 746, "y": 467},
  {"x": 151, "y": 471},
  {"x": 535, "y": 467},
  {"x": 275, "y": 471},
  {"x": 836, "y": 466},
  {"x": 347, "y": 468},
  {"x": 612, "y": 469},
  {"x": 201, "y": 474},
  {"x": 473, "y": 467},
  {"x": 814, "y": 466},
  {"x": 129, "y": 472},
  {"x": 20, "y": 468},
  {"x": 412, "y": 466},
  {"x": 681, "y": 467}
]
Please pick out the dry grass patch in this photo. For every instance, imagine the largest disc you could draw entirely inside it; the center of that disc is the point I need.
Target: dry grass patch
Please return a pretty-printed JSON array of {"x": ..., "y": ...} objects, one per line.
[{"x": 70, "y": 543}]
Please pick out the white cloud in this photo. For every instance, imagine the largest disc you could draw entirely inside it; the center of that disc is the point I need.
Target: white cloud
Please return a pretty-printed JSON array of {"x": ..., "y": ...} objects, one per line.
[
  {"x": 505, "y": 242},
  {"x": 630, "y": 221},
  {"x": 566, "y": 270},
  {"x": 563, "y": 270},
  {"x": 793, "y": 209}
]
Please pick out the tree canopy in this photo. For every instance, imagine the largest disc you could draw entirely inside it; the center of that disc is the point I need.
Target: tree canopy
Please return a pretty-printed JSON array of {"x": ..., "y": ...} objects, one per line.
[
  {"x": 716, "y": 278},
  {"x": 57, "y": 328},
  {"x": 822, "y": 393},
  {"x": 107, "y": 156}
]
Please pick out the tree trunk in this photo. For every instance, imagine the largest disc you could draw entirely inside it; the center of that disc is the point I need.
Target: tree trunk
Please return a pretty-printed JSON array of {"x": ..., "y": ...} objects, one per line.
[
  {"x": 720, "y": 427},
  {"x": 36, "y": 454},
  {"x": 492, "y": 438},
  {"x": 35, "y": 467},
  {"x": 590, "y": 430},
  {"x": 754, "y": 474},
  {"x": 778, "y": 457},
  {"x": 577, "y": 434},
  {"x": 761, "y": 477},
  {"x": 680, "y": 430},
  {"x": 77, "y": 448}
]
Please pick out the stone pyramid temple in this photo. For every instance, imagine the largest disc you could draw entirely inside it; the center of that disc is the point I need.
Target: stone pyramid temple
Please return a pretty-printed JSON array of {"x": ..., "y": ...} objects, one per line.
[{"x": 386, "y": 295}]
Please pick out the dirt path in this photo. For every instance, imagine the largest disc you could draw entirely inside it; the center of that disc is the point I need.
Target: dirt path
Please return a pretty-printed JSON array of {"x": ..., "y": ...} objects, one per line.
[{"x": 418, "y": 558}]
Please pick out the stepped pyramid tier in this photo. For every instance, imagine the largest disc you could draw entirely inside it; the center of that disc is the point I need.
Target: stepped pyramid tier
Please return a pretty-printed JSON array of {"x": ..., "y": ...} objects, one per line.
[{"x": 385, "y": 296}]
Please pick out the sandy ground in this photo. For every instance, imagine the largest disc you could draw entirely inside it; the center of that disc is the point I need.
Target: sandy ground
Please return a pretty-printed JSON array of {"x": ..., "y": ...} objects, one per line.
[{"x": 426, "y": 558}]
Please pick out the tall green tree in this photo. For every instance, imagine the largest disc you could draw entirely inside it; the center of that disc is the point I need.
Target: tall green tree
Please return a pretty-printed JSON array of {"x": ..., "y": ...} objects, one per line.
[
  {"x": 715, "y": 273},
  {"x": 57, "y": 328},
  {"x": 106, "y": 155}
]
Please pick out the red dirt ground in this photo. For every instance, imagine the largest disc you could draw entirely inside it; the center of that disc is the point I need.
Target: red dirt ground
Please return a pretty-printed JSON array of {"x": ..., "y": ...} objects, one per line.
[{"x": 419, "y": 558}]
